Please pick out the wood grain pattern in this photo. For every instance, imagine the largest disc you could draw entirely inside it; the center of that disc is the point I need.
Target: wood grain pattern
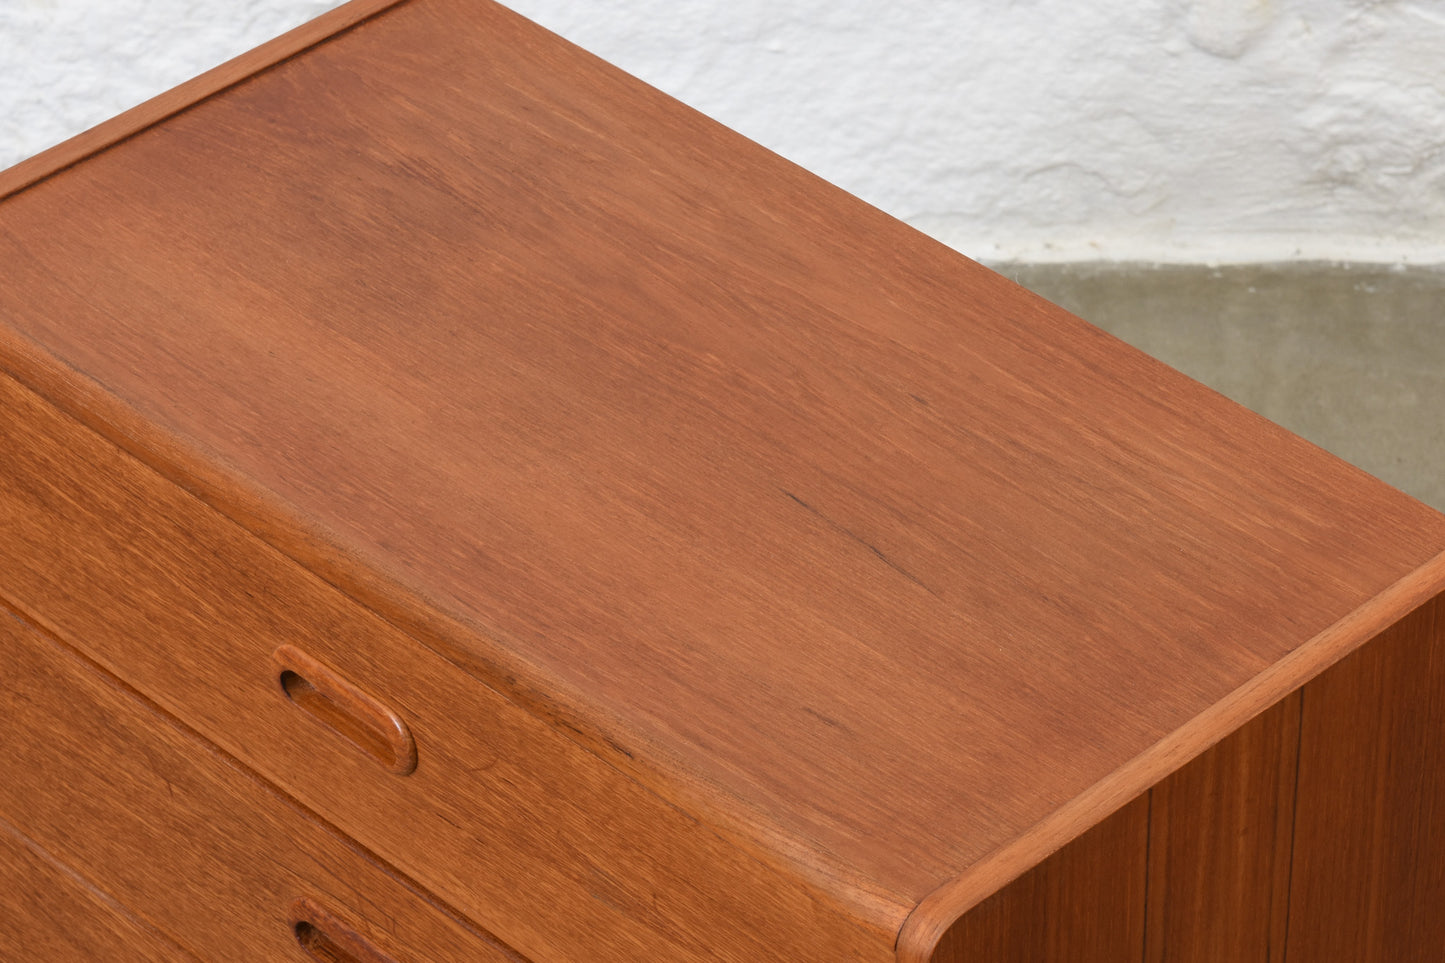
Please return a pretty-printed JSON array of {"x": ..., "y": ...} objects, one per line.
[
  {"x": 1369, "y": 845},
  {"x": 887, "y": 574},
  {"x": 51, "y": 914},
  {"x": 1084, "y": 904},
  {"x": 717, "y": 463},
  {"x": 198, "y": 848},
  {"x": 1219, "y": 848},
  {"x": 544, "y": 844},
  {"x": 937, "y": 912}
]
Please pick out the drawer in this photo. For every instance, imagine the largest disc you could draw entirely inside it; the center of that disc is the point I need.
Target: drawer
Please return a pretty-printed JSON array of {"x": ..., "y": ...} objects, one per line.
[
  {"x": 51, "y": 914},
  {"x": 188, "y": 841},
  {"x": 521, "y": 829}
]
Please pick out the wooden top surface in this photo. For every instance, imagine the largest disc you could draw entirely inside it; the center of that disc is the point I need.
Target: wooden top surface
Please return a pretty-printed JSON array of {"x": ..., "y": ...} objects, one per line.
[{"x": 813, "y": 524}]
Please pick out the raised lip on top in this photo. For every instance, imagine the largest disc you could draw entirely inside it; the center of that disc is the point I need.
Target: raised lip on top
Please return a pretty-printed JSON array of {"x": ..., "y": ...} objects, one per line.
[
  {"x": 940, "y": 909},
  {"x": 108, "y": 133}
]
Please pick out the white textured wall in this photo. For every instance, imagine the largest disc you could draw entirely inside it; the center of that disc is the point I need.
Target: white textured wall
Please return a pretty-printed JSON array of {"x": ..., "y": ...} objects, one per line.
[
  {"x": 1012, "y": 129},
  {"x": 66, "y": 65}
]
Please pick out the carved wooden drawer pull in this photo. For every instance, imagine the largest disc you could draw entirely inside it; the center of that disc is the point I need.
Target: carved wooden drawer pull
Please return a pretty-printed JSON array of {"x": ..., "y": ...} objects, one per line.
[
  {"x": 326, "y": 938},
  {"x": 337, "y": 702}
]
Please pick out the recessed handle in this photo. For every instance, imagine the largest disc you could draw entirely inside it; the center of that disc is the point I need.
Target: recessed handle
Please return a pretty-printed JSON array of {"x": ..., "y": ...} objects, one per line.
[
  {"x": 340, "y": 704},
  {"x": 327, "y": 938}
]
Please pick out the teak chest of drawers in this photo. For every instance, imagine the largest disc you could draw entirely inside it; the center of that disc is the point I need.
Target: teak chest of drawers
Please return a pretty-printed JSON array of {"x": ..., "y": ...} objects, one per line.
[{"x": 457, "y": 503}]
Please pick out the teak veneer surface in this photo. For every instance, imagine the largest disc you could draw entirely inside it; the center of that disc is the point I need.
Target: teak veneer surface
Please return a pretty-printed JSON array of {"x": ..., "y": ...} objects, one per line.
[
  {"x": 892, "y": 571},
  {"x": 195, "y": 846},
  {"x": 530, "y": 835},
  {"x": 1374, "y": 765},
  {"x": 49, "y": 912}
]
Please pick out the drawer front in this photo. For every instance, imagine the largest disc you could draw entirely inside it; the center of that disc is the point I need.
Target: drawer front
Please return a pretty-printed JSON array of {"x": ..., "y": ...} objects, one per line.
[
  {"x": 561, "y": 855},
  {"x": 51, "y": 914},
  {"x": 199, "y": 848}
]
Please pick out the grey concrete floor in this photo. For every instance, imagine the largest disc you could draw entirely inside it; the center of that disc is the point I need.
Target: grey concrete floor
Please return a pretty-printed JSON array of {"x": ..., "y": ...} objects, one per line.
[{"x": 1350, "y": 357}]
